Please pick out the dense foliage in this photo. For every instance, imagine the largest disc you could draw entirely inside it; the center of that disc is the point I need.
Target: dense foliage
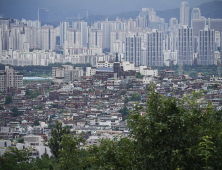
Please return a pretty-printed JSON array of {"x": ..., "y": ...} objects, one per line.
[
  {"x": 173, "y": 134},
  {"x": 31, "y": 94},
  {"x": 8, "y": 99}
]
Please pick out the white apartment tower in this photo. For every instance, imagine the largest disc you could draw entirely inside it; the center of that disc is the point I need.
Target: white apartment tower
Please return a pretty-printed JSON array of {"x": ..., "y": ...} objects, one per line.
[
  {"x": 84, "y": 33},
  {"x": 185, "y": 45},
  {"x": 74, "y": 38},
  {"x": 184, "y": 13},
  {"x": 195, "y": 14},
  {"x": 154, "y": 48},
  {"x": 47, "y": 38},
  {"x": 206, "y": 47},
  {"x": 173, "y": 22},
  {"x": 95, "y": 38},
  {"x": 64, "y": 26},
  {"x": 133, "y": 49},
  {"x": 117, "y": 41}
]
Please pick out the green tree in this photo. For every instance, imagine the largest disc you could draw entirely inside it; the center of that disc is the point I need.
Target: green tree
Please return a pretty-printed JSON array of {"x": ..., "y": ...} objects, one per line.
[
  {"x": 56, "y": 138},
  {"x": 8, "y": 99},
  {"x": 15, "y": 112},
  {"x": 129, "y": 86},
  {"x": 20, "y": 140},
  {"x": 135, "y": 97},
  {"x": 36, "y": 123},
  {"x": 168, "y": 135},
  {"x": 27, "y": 92},
  {"x": 124, "y": 111},
  {"x": 138, "y": 75},
  {"x": 206, "y": 149},
  {"x": 12, "y": 156},
  {"x": 126, "y": 100},
  {"x": 35, "y": 93},
  {"x": 72, "y": 156},
  {"x": 113, "y": 154},
  {"x": 122, "y": 92}
]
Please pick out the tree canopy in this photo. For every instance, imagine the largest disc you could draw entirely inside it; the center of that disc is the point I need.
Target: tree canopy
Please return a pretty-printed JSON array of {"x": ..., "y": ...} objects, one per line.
[{"x": 8, "y": 99}]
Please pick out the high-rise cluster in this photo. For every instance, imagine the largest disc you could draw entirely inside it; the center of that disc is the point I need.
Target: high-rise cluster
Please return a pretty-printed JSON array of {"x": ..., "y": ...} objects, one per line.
[{"x": 147, "y": 40}]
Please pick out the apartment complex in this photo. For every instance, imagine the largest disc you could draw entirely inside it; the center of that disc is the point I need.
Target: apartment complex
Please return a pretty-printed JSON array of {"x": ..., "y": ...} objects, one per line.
[
  {"x": 66, "y": 73},
  {"x": 10, "y": 78}
]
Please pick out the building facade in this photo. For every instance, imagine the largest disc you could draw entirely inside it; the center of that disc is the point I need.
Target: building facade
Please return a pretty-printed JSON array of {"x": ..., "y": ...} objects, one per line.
[
  {"x": 184, "y": 13},
  {"x": 154, "y": 48},
  {"x": 185, "y": 46},
  {"x": 206, "y": 47},
  {"x": 10, "y": 78}
]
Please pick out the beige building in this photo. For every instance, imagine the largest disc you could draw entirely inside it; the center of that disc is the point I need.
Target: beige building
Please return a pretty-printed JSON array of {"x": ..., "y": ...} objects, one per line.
[
  {"x": 10, "y": 78},
  {"x": 66, "y": 73}
]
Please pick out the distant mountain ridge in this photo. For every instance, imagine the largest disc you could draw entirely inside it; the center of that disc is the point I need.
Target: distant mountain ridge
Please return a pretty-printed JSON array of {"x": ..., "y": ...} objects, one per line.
[
  {"x": 208, "y": 10},
  {"x": 61, "y": 9}
]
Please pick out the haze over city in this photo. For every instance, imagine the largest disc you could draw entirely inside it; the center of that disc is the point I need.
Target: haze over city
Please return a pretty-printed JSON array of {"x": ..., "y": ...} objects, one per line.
[{"x": 110, "y": 84}]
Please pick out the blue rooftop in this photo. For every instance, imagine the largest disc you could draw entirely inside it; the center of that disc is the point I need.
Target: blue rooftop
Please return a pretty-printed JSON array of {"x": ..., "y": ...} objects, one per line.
[{"x": 103, "y": 69}]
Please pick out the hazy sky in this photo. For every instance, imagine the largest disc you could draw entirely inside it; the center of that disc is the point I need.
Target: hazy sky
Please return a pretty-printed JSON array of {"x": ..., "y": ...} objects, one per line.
[{"x": 28, "y": 8}]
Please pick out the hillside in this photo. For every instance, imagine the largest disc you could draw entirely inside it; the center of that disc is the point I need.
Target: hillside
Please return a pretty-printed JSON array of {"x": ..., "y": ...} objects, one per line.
[
  {"x": 59, "y": 11},
  {"x": 208, "y": 10}
]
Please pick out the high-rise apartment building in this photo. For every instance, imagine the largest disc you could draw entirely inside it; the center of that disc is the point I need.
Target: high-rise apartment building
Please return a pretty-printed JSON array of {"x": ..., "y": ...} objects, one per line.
[
  {"x": 64, "y": 26},
  {"x": 43, "y": 15},
  {"x": 10, "y": 78},
  {"x": 47, "y": 38},
  {"x": 173, "y": 22},
  {"x": 195, "y": 14},
  {"x": 133, "y": 49},
  {"x": 206, "y": 47},
  {"x": 117, "y": 41},
  {"x": 217, "y": 40},
  {"x": 83, "y": 27},
  {"x": 184, "y": 13},
  {"x": 197, "y": 25},
  {"x": 215, "y": 24},
  {"x": 95, "y": 38},
  {"x": 185, "y": 45},
  {"x": 154, "y": 48},
  {"x": 74, "y": 38}
]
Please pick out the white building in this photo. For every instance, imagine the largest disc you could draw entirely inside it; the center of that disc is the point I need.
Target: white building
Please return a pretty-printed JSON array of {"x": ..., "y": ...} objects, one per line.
[
  {"x": 195, "y": 14},
  {"x": 185, "y": 45},
  {"x": 47, "y": 38},
  {"x": 105, "y": 64},
  {"x": 117, "y": 41},
  {"x": 133, "y": 49},
  {"x": 66, "y": 73},
  {"x": 206, "y": 47},
  {"x": 64, "y": 26},
  {"x": 170, "y": 58},
  {"x": 184, "y": 13},
  {"x": 154, "y": 48},
  {"x": 90, "y": 71},
  {"x": 96, "y": 39},
  {"x": 74, "y": 38},
  {"x": 32, "y": 140}
]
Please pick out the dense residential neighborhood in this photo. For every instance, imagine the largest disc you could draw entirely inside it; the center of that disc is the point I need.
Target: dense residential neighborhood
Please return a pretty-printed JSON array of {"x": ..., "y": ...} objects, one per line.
[
  {"x": 138, "y": 90},
  {"x": 95, "y": 106}
]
